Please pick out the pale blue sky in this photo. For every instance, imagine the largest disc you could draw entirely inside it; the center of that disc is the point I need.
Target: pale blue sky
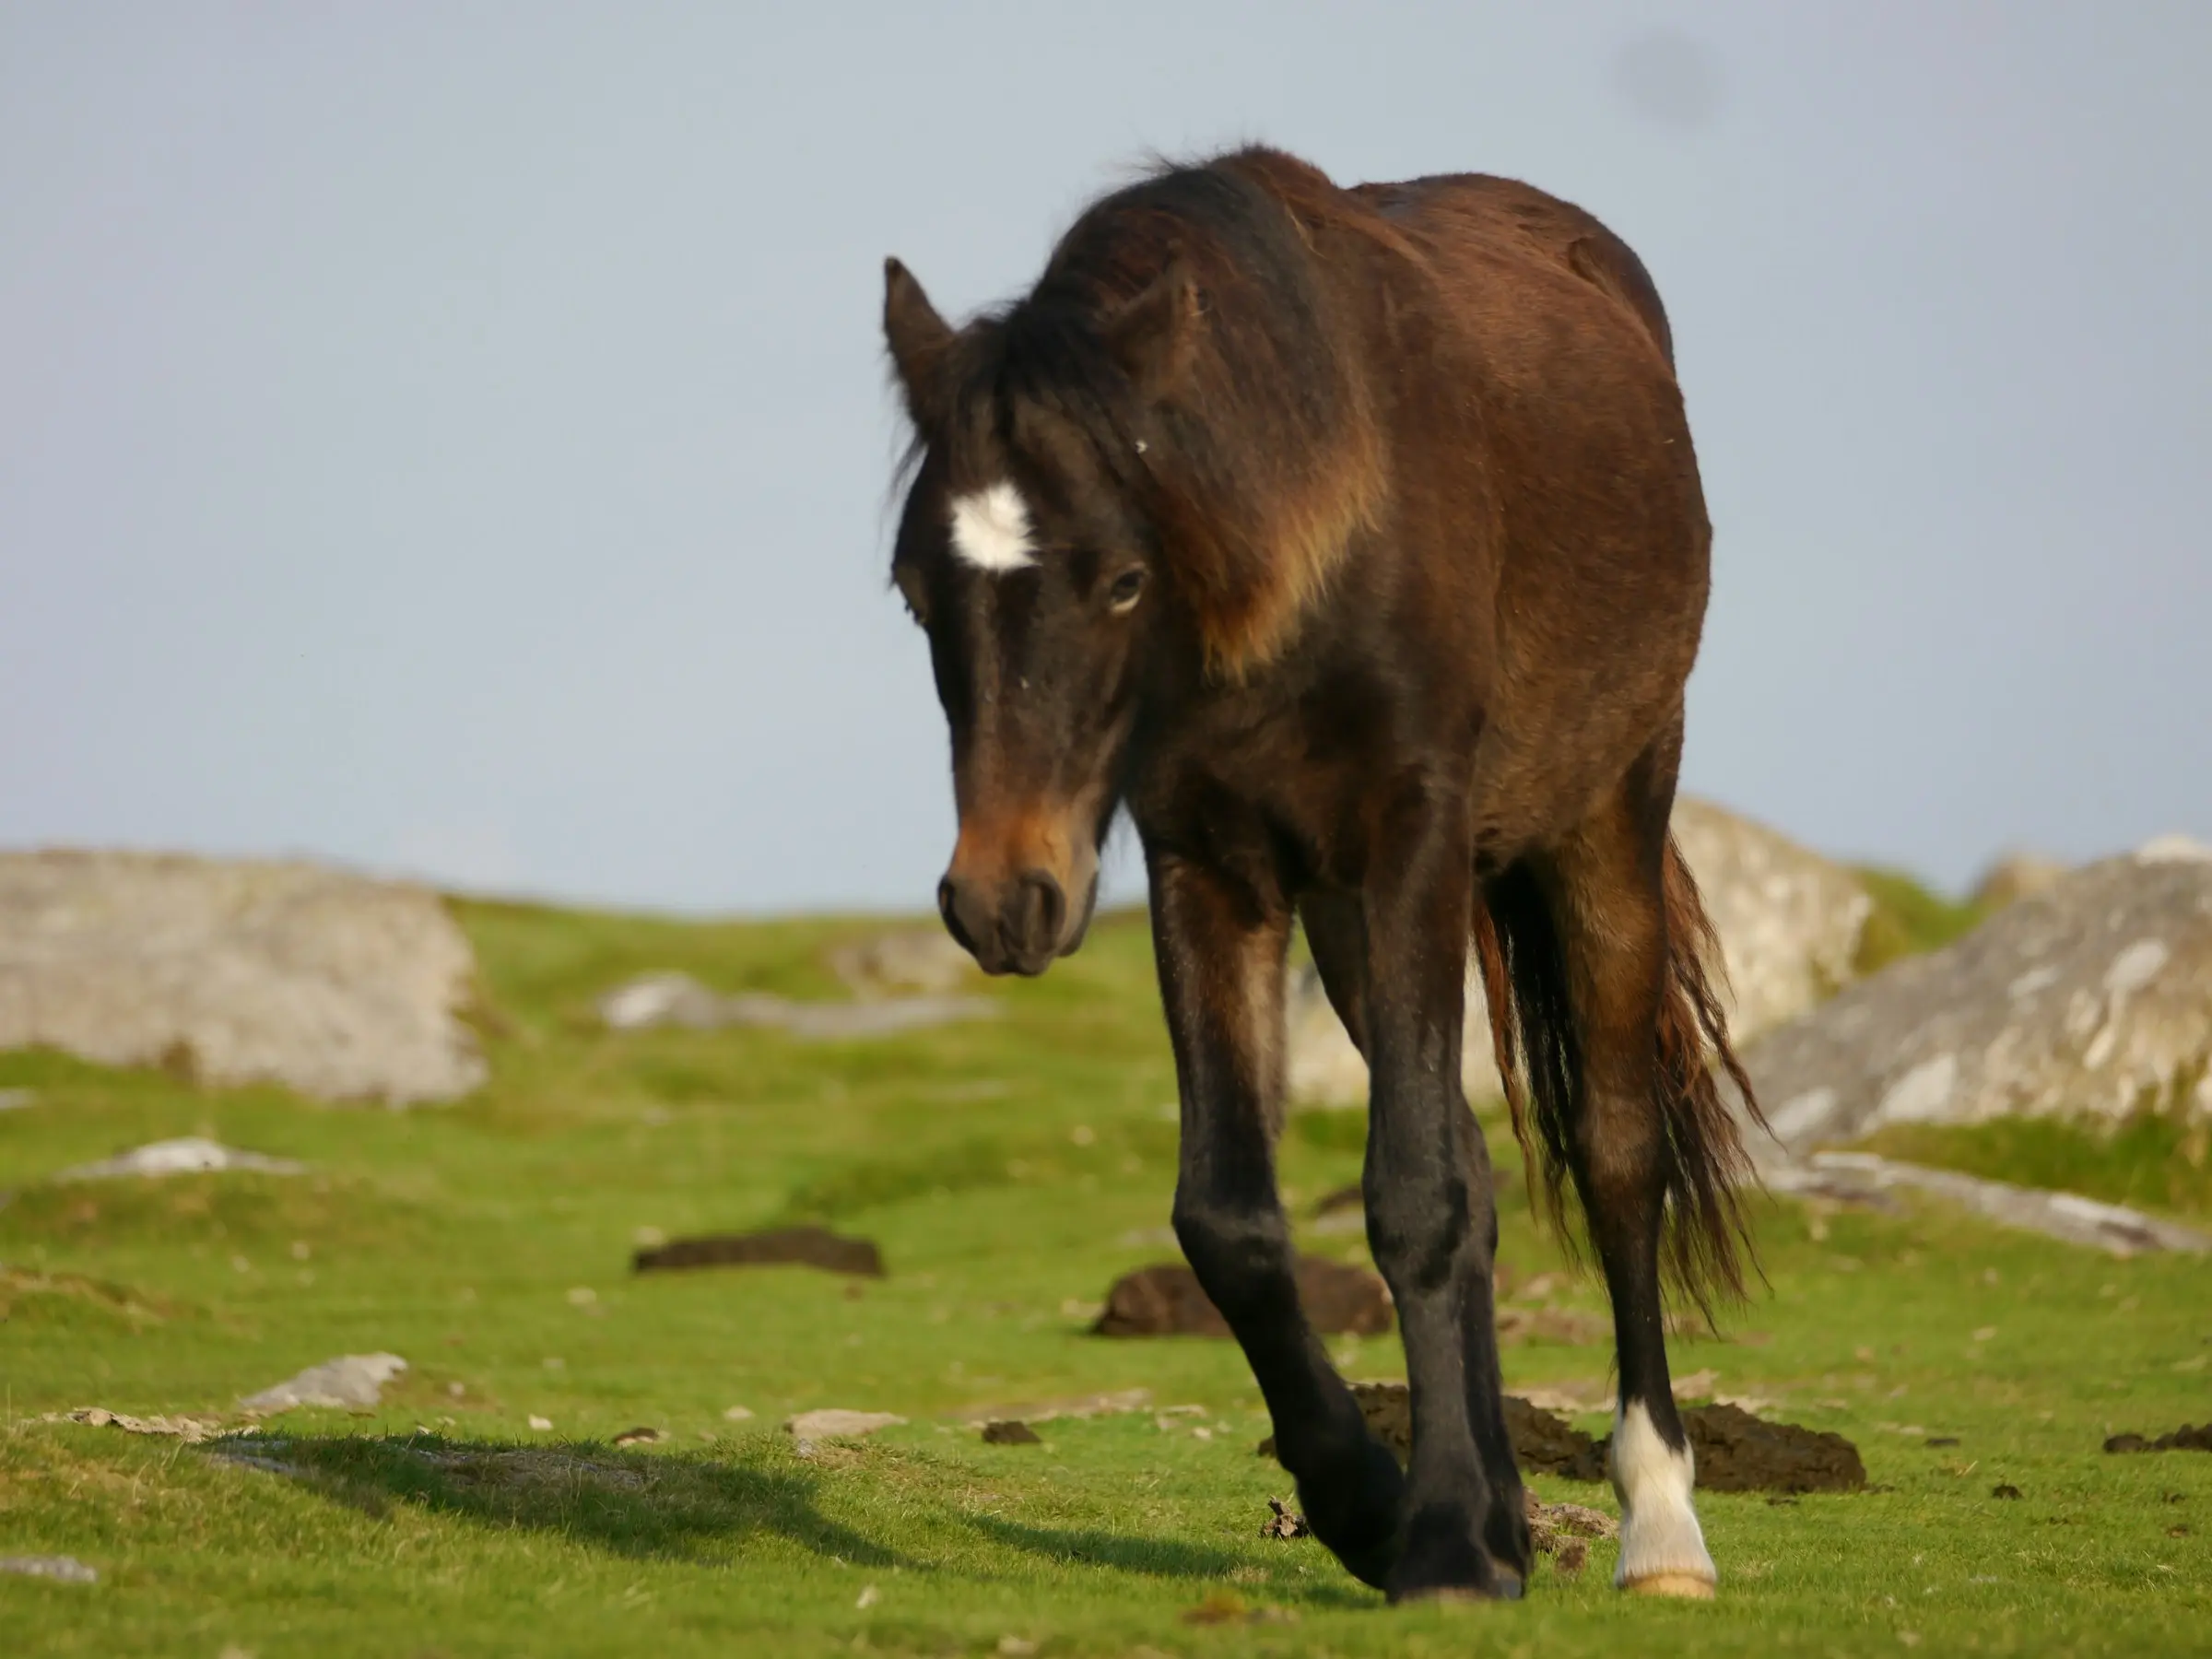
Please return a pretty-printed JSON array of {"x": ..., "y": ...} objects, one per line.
[{"x": 453, "y": 437}]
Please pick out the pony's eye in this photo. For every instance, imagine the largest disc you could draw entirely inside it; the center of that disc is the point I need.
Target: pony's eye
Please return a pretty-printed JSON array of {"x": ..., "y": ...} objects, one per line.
[{"x": 1125, "y": 588}]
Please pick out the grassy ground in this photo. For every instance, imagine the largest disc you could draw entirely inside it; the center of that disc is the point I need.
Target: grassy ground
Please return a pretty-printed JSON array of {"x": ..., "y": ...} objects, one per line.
[
  {"x": 1009, "y": 1170},
  {"x": 1908, "y": 918},
  {"x": 2155, "y": 1161}
]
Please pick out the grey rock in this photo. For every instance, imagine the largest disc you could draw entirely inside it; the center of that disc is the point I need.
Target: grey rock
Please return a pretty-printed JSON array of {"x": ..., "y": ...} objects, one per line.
[
  {"x": 191, "y": 1431},
  {"x": 66, "y": 1570},
  {"x": 337, "y": 987},
  {"x": 677, "y": 999},
  {"x": 1860, "y": 1178},
  {"x": 2092, "y": 1000},
  {"x": 1789, "y": 920},
  {"x": 660, "y": 999},
  {"x": 2015, "y": 876},
  {"x": 190, "y": 1155},
  {"x": 349, "y": 1380},
  {"x": 1789, "y": 923},
  {"x": 923, "y": 961},
  {"x": 834, "y": 1423}
]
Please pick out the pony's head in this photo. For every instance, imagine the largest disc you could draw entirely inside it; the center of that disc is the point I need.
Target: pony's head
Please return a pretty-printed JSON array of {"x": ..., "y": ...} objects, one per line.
[
  {"x": 1134, "y": 480},
  {"x": 1025, "y": 555}
]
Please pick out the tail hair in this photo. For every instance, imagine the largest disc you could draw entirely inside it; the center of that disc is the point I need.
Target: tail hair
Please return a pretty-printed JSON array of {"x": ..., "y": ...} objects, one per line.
[{"x": 1707, "y": 1241}]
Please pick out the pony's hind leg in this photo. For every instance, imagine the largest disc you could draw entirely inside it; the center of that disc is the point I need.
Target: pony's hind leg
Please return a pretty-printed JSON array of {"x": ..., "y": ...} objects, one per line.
[
  {"x": 1220, "y": 948},
  {"x": 1608, "y": 902}
]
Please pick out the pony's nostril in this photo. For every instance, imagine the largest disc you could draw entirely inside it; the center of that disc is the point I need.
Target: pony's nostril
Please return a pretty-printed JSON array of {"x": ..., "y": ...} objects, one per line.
[
  {"x": 1042, "y": 912},
  {"x": 948, "y": 907}
]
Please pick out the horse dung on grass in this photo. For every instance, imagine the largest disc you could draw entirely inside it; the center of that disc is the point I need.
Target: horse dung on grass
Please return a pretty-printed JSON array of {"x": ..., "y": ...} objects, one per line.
[{"x": 1352, "y": 541}]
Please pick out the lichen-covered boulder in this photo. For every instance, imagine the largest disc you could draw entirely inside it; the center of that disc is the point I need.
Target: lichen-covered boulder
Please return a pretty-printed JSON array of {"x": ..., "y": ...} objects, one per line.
[
  {"x": 2015, "y": 876},
  {"x": 336, "y": 985},
  {"x": 1789, "y": 923},
  {"x": 2091, "y": 999},
  {"x": 1322, "y": 1068},
  {"x": 1789, "y": 920}
]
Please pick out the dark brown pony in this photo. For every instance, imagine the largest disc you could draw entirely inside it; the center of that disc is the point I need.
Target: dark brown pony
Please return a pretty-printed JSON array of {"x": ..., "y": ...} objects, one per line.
[{"x": 1352, "y": 541}]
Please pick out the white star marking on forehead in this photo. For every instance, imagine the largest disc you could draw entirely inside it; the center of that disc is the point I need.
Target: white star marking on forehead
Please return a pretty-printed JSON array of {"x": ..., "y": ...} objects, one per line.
[{"x": 991, "y": 529}]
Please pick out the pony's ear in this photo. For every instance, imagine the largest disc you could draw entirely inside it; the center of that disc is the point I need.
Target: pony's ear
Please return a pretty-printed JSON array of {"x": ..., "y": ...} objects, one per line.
[
  {"x": 1153, "y": 336},
  {"x": 916, "y": 335}
]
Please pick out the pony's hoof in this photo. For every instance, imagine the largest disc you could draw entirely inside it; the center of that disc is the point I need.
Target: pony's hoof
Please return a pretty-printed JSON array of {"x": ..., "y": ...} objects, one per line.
[{"x": 1684, "y": 1587}]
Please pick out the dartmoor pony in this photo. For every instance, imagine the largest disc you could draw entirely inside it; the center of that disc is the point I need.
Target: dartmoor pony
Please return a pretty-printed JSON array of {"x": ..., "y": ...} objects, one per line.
[{"x": 1351, "y": 540}]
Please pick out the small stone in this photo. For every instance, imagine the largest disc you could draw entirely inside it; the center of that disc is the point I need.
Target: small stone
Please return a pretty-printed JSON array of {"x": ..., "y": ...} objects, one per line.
[
  {"x": 923, "y": 960},
  {"x": 190, "y": 1155},
  {"x": 867, "y": 1598},
  {"x": 640, "y": 1436},
  {"x": 351, "y": 1381},
  {"x": 835, "y": 1423},
  {"x": 191, "y": 1431},
  {"x": 541, "y": 1423},
  {"x": 66, "y": 1570},
  {"x": 737, "y": 1414},
  {"x": 1016, "y": 1647},
  {"x": 666, "y": 999}
]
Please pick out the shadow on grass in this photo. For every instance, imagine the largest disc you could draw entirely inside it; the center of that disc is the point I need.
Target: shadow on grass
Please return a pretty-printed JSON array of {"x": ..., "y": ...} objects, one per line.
[
  {"x": 1165, "y": 1559},
  {"x": 628, "y": 1503},
  {"x": 1153, "y": 1558}
]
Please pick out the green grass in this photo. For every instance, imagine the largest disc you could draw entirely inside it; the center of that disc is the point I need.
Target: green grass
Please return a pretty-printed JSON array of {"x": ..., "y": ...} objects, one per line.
[
  {"x": 2153, "y": 1160},
  {"x": 1009, "y": 1170},
  {"x": 1909, "y": 918}
]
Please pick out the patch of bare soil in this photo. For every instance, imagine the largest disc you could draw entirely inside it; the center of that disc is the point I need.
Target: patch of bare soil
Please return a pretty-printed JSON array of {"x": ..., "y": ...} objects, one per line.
[
  {"x": 1165, "y": 1300},
  {"x": 1738, "y": 1453},
  {"x": 1542, "y": 1443},
  {"x": 1010, "y": 1431},
  {"x": 778, "y": 1246},
  {"x": 2187, "y": 1438}
]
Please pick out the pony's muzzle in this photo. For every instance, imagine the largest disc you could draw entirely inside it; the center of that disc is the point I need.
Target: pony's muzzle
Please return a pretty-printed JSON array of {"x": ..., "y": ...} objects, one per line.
[
  {"x": 1012, "y": 926},
  {"x": 1016, "y": 917}
]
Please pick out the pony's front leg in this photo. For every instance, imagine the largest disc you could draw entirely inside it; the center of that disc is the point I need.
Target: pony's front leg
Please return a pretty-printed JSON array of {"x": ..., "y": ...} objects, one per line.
[
  {"x": 1431, "y": 1220},
  {"x": 1220, "y": 946}
]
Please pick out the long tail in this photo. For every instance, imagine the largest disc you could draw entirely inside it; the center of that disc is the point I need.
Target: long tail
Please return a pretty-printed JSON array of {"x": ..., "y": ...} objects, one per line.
[{"x": 1707, "y": 1241}]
